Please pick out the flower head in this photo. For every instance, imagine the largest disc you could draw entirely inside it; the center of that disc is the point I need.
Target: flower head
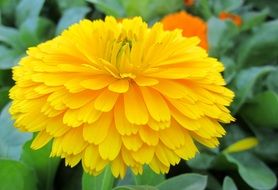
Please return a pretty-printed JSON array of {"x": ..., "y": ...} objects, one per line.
[
  {"x": 236, "y": 19},
  {"x": 190, "y": 25},
  {"x": 120, "y": 94}
]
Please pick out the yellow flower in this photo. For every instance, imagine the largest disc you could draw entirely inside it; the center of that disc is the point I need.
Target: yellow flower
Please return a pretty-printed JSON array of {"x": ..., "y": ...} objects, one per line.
[{"x": 120, "y": 94}]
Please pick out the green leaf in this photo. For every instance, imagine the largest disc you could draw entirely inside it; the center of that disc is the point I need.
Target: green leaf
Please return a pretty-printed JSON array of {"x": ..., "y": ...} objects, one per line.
[
  {"x": 26, "y": 9},
  {"x": 44, "y": 166},
  {"x": 262, "y": 111},
  {"x": 10, "y": 37},
  {"x": 6, "y": 78},
  {"x": 201, "y": 161},
  {"x": 272, "y": 79},
  {"x": 7, "y": 8},
  {"x": 271, "y": 5},
  {"x": 226, "y": 5},
  {"x": 221, "y": 36},
  {"x": 230, "y": 68},
  {"x": 149, "y": 177},
  {"x": 149, "y": 10},
  {"x": 202, "y": 8},
  {"x": 71, "y": 16},
  {"x": 229, "y": 184},
  {"x": 267, "y": 148},
  {"x": 15, "y": 175},
  {"x": 4, "y": 96},
  {"x": 9, "y": 57},
  {"x": 133, "y": 187},
  {"x": 253, "y": 171},
  {"x": 213, "y": 183},
  {"x": 244, "y": 83},
  {"x": 184, "y": 182},
  {"x": 104, "y": 181},
  {"x": 253, "y": 19},
  {"x": 11, "y": 140},
  {"x": 64, "y": 4},
  {"x": 34, "y": 30},
  {"x": 235, "y": 132},
  {"x": 110, "y": 7},
  {"x": 259, "y": 48}
]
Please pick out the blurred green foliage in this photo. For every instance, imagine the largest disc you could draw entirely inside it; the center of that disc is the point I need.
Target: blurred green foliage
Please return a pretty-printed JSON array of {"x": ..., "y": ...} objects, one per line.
[{"x": 249, "y": 53}]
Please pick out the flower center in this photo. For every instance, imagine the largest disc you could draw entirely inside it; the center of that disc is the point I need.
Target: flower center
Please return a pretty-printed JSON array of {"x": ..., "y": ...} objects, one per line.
[{"x": 123, "y": 61}]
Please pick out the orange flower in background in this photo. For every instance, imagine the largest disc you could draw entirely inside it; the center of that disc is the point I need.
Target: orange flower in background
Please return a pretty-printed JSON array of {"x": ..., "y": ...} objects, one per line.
[
  {"x": 188, "y": 2},
  {"x": 191, "y": 26},
  {"x": 235, "y": 18}
]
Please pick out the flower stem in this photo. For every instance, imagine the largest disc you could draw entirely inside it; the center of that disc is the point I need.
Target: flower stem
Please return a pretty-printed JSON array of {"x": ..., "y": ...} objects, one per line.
[{"x": 108, "y": 179}]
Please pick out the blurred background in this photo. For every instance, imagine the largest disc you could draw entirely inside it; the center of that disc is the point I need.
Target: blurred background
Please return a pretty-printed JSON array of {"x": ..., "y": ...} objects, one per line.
[{"x": 243, "y": 34}]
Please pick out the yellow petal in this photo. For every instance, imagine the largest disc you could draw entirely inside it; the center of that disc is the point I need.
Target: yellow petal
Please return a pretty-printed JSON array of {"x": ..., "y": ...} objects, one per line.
[
  {"x": 51, "y": 79},
  {"x": 106, "y": 101},
  {"x": 190, "y": 110},
  {"x": 55, "y": 127},
  {"x": 97, "y": 82},
  {"x": 69, "y": 144},
  {"x": 187, "y": 123},
  {"x": 149, "y": 136},
  {"x": 157, "y": 166},
  {"x": 111, "y": 146},
  {"x": 209, "y": 142},
  {"x": 145, "y": 81},
  {"x": 123, "y": 126},
  {"x": 57, "y": 149},
  {"x": 49, "y": 111},
  {"x": 242, "y": 145},
  {"x": 132, "y": 142},
  {"x": 77, "y": 100},
  {"x": 32, "y": 121},
  {"x": 209, "y": 128},
  {"x": 171, "y": 89},
  {"x": 178, "y": 73},
  {"x": 144, "y": 155},
  {"x": 118, "y": 167},
  {"x": 156, "y": 105},
  {"x": 210, "y": 110},
  {"x": 155, "y": 125},
  {"x": 134, "y": 106},
  {"x": 119, "y": 86},
  {"x": 188, "y": 150},
  {"x": 172, "y": 137},
  {"x": 88, "y": 113},
  {"x": 74, "y": 85},
  {"x": 137, "y": 169},
  {"x": 90, "y": 157},
  {"x": 73, "y": 160},
  {"x": 40, "y": 140},
  {"x": 70, "y": 118},
  {"x": 96, "y": 132},
  {"x": 161, "y": 155},
  {"x": 127, "y": 158},
  {"x": 91, "y": 161},
  {"x": 56, "y": 99}
]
